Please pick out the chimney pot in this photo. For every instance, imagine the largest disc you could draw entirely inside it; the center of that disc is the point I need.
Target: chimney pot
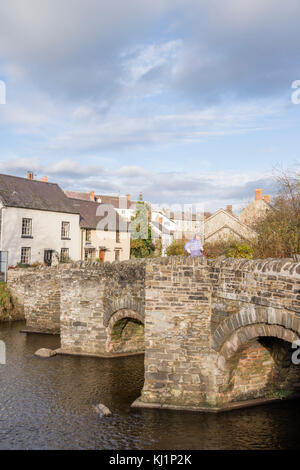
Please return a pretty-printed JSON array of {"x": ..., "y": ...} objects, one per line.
[
  {"x": 258, "y": 194},
  {"x": 92, "y": 195},
  {"x": 128, "y": 197},
  {"x": 29, "y": 175},
  {"x": 229, "y": 209},
  {"x": 267, "y": 198},
  {"x": 44, "y": 179}
]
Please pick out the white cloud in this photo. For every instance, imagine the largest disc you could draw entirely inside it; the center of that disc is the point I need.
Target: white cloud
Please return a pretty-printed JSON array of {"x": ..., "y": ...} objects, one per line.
[
  {"x": 146, "y": 61},
  {"x": 213, "y": 189},
  {"x": 92, "y": 131}
]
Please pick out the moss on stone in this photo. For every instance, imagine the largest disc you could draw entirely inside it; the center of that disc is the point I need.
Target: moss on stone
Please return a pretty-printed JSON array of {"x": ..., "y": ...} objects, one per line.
[{"x": 8, "y": 309}]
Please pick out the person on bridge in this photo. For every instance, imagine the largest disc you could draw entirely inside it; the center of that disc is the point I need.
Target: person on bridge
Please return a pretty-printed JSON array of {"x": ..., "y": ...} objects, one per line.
[{"x": 194, "y": 246}]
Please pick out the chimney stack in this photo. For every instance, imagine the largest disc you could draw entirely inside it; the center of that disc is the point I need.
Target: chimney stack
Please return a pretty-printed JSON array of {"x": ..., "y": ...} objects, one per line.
[
  {"x": 92, "y": 195},
  {"x": 44, "y": 179},
  {"x": 267, "y": 198},
  {"x": 29, "y": 175},
  {"x": 258, "y": 194}
]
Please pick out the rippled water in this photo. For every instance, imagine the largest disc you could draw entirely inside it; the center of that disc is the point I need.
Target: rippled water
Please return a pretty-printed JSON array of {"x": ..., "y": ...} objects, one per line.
[{"x": 48, "y": 404}]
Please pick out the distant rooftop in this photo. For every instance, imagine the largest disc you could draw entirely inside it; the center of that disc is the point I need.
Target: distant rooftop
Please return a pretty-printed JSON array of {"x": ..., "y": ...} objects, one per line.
[
  {"x": 90, "y": 215},
  {"x": 104, "y": 199}
]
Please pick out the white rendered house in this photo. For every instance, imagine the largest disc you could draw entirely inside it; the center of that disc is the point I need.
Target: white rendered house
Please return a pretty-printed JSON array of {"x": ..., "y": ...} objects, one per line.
[{"x": 37, "y": 222}]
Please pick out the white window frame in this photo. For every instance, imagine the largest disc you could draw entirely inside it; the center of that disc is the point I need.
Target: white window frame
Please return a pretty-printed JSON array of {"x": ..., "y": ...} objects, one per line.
[
  {"x": 92, "y": 253},
  {"x": 25, "y": 258},
  {"x": 26, "y": 227},
  {"x": 65, "y": 230},
  {"x": 66, "y": 254}
]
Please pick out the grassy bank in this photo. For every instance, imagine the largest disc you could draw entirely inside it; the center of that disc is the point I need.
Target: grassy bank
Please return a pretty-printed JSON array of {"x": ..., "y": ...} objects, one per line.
[{"x": 9, "y": 311}]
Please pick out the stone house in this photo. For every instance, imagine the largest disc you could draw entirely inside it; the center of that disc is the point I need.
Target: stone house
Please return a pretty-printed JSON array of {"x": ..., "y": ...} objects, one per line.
[
  {"x": 223, "y": 225},
  {"x": 38, "y": 223},
  {"x": 104, "y": 233},
  {"x": 257, "y": 209}
]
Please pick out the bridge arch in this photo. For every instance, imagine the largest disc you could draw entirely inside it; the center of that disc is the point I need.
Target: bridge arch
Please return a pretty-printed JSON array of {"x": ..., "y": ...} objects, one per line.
[
  {"x": 124, "y": 303},
  {"x": 246, "y": 334},
  {"x": 261, "y": 319},
  {"x": 125, "y": 332},
  {"x": 255, "y": 359}
]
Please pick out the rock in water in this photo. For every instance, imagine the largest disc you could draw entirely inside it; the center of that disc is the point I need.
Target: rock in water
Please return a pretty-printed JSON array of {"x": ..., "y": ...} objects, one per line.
[
  {"x": 102, "y": 410},
  {"x": 44, "y": 352}
]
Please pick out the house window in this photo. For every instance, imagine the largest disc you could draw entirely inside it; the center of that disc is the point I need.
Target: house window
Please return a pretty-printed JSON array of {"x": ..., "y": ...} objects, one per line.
[
  {"x": 117, "y": 236},
  {"x": 65, "y": 230},
  {"x": 117, "y": 255},
  {"x": 89, "y": 254},
  {"x": 88, "y": 235},
  {"x": 26, "y": 227},
  {"x": 25, "y": 255},
  {"x": 64, "y": 254}
]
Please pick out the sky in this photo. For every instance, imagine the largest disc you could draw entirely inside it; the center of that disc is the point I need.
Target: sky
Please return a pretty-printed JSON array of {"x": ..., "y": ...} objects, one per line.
[{"x": 186, "y": 101}]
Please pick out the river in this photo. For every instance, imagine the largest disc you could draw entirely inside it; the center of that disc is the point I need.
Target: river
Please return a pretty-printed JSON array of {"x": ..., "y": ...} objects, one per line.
[{"x": 48, "y": 404}]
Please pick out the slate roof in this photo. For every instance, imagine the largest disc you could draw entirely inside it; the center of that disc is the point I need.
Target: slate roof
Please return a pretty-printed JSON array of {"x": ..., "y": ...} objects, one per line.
[
  {"x": 111, "y": 200},
  {"x": 33, "y": 194},
  {"x": 90, "y": 220},
  {"x": 78, "y": 195}
]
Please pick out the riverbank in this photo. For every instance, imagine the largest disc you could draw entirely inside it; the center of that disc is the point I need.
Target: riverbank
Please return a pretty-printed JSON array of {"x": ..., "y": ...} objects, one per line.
[{"x": 9, "y": 309}]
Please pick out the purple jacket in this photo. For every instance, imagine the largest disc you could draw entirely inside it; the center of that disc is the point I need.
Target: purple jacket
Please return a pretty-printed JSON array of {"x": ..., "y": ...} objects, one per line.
[{"x": 194, "y": 246}]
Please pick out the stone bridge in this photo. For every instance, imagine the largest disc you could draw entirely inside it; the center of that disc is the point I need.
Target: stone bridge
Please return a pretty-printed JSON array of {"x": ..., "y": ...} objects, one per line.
[{"x": 216, "y": 333}]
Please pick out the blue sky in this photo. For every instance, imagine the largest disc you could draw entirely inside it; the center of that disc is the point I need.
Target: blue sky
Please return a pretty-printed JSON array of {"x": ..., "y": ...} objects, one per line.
[{"x": 188, "y": 101}]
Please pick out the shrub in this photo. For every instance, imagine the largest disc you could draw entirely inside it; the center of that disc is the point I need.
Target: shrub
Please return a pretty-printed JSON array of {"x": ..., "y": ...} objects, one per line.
[
  {"x": 231, "y": 248},
  {"x": 142, "y": 247},
  {"x": 23, "y": 265},
  {"x": 242, "y": 250},
  {"x": 278, "y": 233},
  {"x": 177, "y": 248},
  {"x": 216, "y": 249}
]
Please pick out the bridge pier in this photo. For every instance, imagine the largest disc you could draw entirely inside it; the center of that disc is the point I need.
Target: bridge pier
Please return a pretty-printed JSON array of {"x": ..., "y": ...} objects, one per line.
[
  {"x": 102, "y": 310},
  {"x": 41, "y": 301},
  {"x": 207, "y": 358}
]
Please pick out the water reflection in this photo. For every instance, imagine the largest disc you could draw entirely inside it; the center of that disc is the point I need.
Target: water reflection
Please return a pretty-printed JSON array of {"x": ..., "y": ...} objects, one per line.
[{"x": 48, "y": 404}]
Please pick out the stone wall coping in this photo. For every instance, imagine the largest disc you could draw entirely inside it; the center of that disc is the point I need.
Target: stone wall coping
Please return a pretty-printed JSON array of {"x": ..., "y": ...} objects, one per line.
[
  {"x": 79, "y": 264},
  {"x": 284, "y": 266}
]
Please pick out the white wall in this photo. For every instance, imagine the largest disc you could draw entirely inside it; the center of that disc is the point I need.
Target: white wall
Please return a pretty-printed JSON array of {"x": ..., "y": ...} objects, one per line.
[
  {"x": 126, "y": 213},
  {"x": 46, "y": 233}
]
